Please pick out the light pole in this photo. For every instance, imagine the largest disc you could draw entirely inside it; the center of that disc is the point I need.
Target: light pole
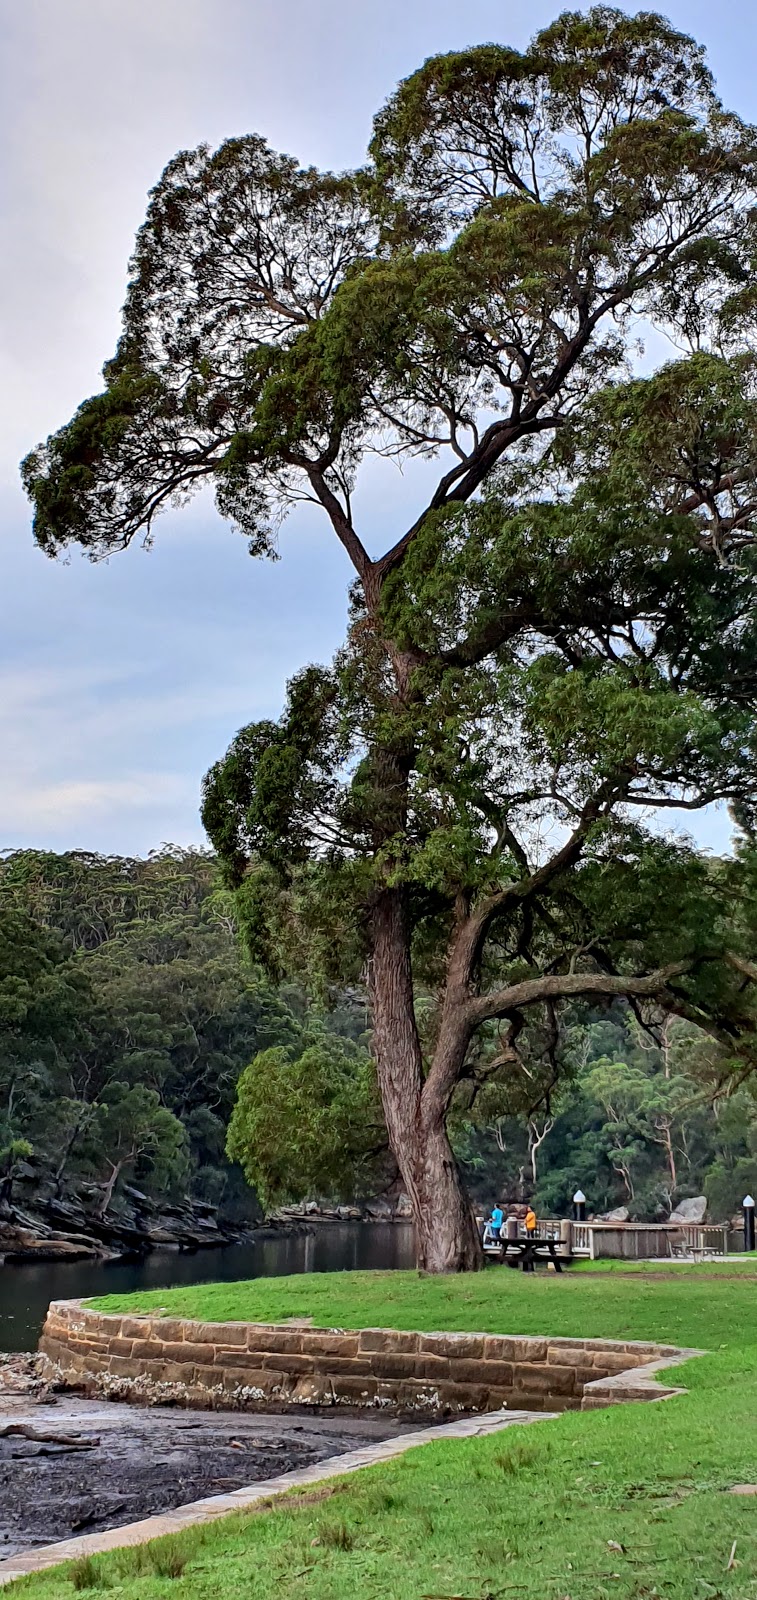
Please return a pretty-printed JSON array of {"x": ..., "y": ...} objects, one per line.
[
  {"x": 747, "y": 1206},
  {"x": 579, "y": 1206}
]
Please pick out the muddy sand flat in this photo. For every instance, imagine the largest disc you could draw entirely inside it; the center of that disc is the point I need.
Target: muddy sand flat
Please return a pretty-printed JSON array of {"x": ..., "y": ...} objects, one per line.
[{"x": 70, "y": 1465}]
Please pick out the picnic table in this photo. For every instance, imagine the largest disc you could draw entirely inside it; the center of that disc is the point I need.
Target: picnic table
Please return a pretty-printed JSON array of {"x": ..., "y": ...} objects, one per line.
[{"x": 524, "y": 1252}]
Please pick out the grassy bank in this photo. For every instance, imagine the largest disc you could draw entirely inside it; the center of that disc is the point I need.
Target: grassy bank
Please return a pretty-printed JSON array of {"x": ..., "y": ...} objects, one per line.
[{"x": 629, "y": 1502}]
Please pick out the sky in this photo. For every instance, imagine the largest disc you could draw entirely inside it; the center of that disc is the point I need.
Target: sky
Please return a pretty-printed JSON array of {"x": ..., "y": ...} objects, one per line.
[{"x": 121, "y": 682}]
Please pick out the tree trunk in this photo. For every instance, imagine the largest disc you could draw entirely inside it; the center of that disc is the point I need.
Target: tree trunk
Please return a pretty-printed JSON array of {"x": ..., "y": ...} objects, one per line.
[
  {"x": 115, "y": 1173},
  {"x": 446, "y": 1232},
  {"x": 445, "y": 1229}
]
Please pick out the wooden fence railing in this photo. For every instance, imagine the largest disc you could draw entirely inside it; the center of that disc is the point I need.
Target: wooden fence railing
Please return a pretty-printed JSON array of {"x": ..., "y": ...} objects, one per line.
[{"x": 642, "y": 1241}]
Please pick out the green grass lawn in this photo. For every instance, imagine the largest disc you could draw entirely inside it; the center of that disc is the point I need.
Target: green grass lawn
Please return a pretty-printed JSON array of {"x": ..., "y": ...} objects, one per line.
[{"x": 631, "y": 1501}]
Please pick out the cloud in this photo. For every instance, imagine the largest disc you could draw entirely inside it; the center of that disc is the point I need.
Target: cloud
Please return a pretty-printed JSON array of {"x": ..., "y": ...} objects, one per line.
[
  {"x": 120, "y": 684},
  {"x": 132, "y": 814}
]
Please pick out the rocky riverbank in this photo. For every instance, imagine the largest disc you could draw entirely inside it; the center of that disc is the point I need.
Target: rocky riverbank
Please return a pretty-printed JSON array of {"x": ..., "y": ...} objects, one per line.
[
  {"x": 46, "y": 1228},
  {"x": 68, "y": 1230},
  {"x": 315, "y": 1211}
]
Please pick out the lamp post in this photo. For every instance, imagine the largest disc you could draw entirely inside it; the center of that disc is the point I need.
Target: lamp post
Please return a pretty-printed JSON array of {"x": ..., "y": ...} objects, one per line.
[
  {"x": 579, "y": 1206},
  {"x": 747, "y": 1206}
]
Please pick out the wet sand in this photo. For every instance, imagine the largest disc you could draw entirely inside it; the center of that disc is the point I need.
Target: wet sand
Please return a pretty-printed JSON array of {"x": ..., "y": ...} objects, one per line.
[{"x": 70, "y": 1465}]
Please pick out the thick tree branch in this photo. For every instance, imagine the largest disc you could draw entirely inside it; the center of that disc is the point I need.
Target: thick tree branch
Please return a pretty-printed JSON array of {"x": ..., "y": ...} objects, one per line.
[
  {"x": 342, "y": 526},
  {"x": 469, "y": 939},
  {"x": 567, "y": 986}
]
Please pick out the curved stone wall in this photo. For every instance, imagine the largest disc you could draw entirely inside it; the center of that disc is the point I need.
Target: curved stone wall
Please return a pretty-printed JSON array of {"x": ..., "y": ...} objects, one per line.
[{"x": 158, "y": 1360}]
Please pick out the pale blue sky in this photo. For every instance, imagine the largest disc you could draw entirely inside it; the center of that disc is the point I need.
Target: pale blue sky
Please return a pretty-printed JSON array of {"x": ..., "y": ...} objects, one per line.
[{"x": 120, "y": 683}]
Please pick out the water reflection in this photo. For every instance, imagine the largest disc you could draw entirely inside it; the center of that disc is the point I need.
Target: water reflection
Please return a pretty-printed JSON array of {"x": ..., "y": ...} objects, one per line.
[{"x": 26, "y": 1290}]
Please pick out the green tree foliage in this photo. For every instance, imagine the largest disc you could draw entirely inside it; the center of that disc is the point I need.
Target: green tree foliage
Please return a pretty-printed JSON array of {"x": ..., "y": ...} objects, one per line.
[
  {"x": 639, "y": 1116},
  {"x": 128, "y": 1012},
  {"x": 311, "y": 1125},
  {"x": 563, "y": 639}
]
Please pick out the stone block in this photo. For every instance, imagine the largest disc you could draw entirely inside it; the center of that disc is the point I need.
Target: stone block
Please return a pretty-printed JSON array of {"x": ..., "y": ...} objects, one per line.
[
  {"x": 244, "y": 1360},
  {"x": 54, "y": 1327},
  {"x": 232, "y": 1378},
  {"x": 201, "y": 1332},
  {"x": 278, "y": 1340},
  {"x": 174, "y": 1372},
  {"x": 387, "y": 1392},
  {"x": 500, "y": 1348},
  {"x": 124, "y": 1367},
  {"x": 55, "y": 1349},
  {"x": 92, "y": 1321},
  {"x": 463, "y": 1397},
  {"x": 544, "y": 1380},
  {"x": 92, "y": 1346},
  {"x": 434, "y": 1369},
  {"x": 497, "y": 1399},
  {"x": 312, "y": 1392},
  {"x": 287, "y": 1363},
  {"x": 337, "y": 1367},
  {"x": 354, "y": 1391},
  {"x": 393, "y": 1364},
  {"x": 166, "y": 1329},
  {"x": 608, "y": 1362},
  {"x": 76, "y": 1362},
  {"x": 330, "y": 1344},
  {"x": 456, "y": 1346},
  {"x": 565, "y": 1356},
  {"x": 418, "y": 1399},
  {"x": 491, "y": 1374},
  {"x": 387, "y": 1339},
  {"x": 150, "y": 1350},
  {"x": 529, "y": 1350},
  {"x": 121, "y": 1347},
  {"x": 181, "y": 1350},
  {"x": 208, "y": 1377},
  {"x": 137, "y": 1327}
]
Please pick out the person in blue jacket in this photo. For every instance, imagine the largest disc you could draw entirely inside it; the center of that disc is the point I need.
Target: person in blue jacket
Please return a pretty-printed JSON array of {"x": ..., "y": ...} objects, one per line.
[{"x": 493, "y": 1228}]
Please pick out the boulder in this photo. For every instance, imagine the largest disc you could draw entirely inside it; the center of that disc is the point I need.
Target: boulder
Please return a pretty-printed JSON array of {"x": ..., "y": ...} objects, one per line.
[
  {"x": 619, "y": 1214},
  {"x": 403, "y": 1207},
  {"x": 693, "y": 1210}
]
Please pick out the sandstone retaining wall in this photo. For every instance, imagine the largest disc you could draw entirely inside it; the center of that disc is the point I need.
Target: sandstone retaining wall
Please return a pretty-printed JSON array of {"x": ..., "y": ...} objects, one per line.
[{"x": 255, "y": 1366}]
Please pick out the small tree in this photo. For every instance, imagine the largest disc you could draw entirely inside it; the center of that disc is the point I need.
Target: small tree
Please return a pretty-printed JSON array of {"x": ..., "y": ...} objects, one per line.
[
  {"x": 309, "y": 1126},
  {"x": 562, "y": 636},
  {"x": 132, "y": 1132}
]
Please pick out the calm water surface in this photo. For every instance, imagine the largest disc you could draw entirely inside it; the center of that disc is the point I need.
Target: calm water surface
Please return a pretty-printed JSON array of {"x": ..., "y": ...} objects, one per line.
[{"x": 27, "y": 1289}]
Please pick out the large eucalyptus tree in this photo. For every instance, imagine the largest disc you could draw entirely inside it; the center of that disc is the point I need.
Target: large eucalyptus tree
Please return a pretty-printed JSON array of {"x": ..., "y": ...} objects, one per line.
[{"x": 562, "y": 637}]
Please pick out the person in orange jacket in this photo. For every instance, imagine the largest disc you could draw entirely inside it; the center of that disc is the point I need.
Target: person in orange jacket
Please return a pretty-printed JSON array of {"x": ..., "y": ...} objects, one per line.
[{"x": 530, "y": 1222}]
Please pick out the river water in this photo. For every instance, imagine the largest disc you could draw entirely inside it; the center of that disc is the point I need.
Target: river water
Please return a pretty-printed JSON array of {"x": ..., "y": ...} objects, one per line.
[{"x": 27, "y": 1289}]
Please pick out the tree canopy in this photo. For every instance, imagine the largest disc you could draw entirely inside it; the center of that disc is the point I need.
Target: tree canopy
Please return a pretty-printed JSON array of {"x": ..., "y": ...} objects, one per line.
[{"x": 562, "y": 639}]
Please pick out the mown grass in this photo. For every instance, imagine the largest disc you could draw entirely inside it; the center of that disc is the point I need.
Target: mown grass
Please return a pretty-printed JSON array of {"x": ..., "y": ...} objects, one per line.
[{"x": 631, "y": 1502}]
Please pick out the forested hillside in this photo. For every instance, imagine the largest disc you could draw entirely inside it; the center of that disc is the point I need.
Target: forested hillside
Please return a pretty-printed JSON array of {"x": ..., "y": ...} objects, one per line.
[
  {"x": 132, "y": 1024},
  {"x": 127, "y": 1014},
  {"x": 639, "y": 1110}
]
